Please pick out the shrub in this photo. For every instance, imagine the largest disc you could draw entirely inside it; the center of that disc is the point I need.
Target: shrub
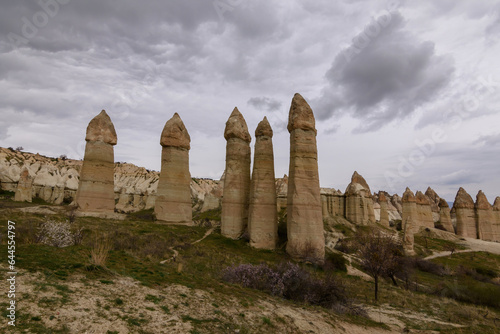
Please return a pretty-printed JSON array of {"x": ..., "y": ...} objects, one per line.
[
  {"x": 291, "y": 282},
  {"x": 430, "y": 267},
  {"x": 59, "y": 234},
  {"x": 335, "y": 262}
]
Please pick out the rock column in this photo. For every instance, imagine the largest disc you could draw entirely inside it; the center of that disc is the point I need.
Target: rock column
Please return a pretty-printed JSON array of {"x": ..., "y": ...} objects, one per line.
[
  {"x": 263, "y": 216},
  {"x": 95, "y": 192},
  {"x": 466, "y": 218},
  {"x": 304, "y": 215},
  {"x": 173, "y": 198},
  {"x": 234, "y": 218},
  {"x": 424, "y": 210},
  {"x": 24, "y": 187},
  {"x": 496, "y": 220},
  {"x": 409, "y": 217},
  {"x": 445, "y": 218},
  {"x": 384, "y": 213},
  {"x": 484, "y": 216}
]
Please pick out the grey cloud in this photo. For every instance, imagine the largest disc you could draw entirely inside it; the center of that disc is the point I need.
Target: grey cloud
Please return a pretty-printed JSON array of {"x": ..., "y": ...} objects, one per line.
[
  {"x": 265, "y": 103},
  {"x": 387, "y": 79}
]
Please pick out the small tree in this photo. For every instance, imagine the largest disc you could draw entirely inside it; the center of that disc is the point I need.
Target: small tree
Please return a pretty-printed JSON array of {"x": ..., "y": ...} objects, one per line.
[
  {"x": 19, "y": 148},
  {"x": 380, "y": 255}
]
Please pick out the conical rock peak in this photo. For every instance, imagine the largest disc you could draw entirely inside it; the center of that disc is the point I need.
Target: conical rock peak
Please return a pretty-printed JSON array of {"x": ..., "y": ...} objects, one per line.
[
  {"x": 463, "y": 200},
  {"x": 102, "y": 129},
  {"x": 236, "y": 127},
  {"x": 301, "y": 115},
  {"x": 264, "y": 129},
  {"x": 175, "y": 134}
]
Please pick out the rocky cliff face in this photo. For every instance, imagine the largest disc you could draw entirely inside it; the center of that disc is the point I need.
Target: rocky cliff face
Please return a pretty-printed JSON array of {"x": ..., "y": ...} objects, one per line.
[{"x": 55, "y": 180}]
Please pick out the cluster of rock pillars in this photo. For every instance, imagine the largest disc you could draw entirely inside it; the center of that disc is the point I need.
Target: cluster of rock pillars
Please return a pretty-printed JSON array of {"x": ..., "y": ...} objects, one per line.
[{"x": 250, "y": 198}]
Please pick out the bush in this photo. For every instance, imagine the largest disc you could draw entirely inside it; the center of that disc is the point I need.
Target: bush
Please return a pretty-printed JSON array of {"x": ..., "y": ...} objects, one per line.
[
  {"x": 59, "y": 234},
  {"x": 291, "y": 282},
  {"x": 470, "y": 291},
  {"x": 430, "y": 267},
  {"x": 335, "y": 262}
]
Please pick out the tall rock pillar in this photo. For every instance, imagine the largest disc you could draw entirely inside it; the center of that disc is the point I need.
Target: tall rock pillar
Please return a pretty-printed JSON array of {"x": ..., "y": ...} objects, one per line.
[
  {"x": 445, "y": 218},
  {"x": 304, "y": 215},
  {"x": 484, "y": 216},
  {"x": 466, "y": 217},
  {"x": 234, "y": 218},
  {"x": 409, "y": 218},
  {"x": 424, "y": 210},
  {"x": 95, "y": 192},
  {"x": 263, "y": 216},
  {"x": 496, "y": 220},
  {"x": 384, "y": 213},
  {"x": 24, "y": 187},
  {"x": 173, "y": 198}
]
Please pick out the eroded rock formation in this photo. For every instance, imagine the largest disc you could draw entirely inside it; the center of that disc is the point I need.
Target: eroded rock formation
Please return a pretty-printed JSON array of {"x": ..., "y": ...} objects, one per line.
[
  {"x": 384, "y": 213},
  {"x": 96, "y": 189},
  {"x": 262, "y": 215},
  {"x": 304, "y": 216},
  {"x": 424, "y": 211},
  {"x": 234, "y": 219},
  {"x": 359, "y": 202},
  {"x": 464, "y": 211},
  {"x": 24, "y": 187},
  {"x": 445, "y": 218},
  {"x": 173, "y": 197},
  {"x": 496, "y": 224},
  {"x": 485, "y": 218},
  {"x": 410, "y": 216}
]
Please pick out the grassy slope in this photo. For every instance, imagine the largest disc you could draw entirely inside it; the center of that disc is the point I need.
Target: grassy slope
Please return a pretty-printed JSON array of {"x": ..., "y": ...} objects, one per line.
[{"x": 198, "y": 267}]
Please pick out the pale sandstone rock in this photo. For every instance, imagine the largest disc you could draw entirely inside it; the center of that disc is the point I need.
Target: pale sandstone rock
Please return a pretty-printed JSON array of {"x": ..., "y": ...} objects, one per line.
[
  {"x": 485, "y": 218},
  {"x": 333, "y": 203},
  {"x": 465, "y": 215},
  {"x": 282, "y": 192},
  {"x": 96, "y": 189},
  {"x": 306, "y": 238},
  {"x": 434, "y": 199},
  {"x": 424, "y": 211},
  {"x": 496, "y": 222},
  {"x": 24, "y": 187},
  {"x": 384, "y": 213},
  {"x": 359, "y": 203},
  {"x": 410, "y": 216},
  {"x": 173, "y": 196},
  {"x": 234, "y": 218},
  {"x": 444, "y": 212},
  {"x": 262, "y": 215}
]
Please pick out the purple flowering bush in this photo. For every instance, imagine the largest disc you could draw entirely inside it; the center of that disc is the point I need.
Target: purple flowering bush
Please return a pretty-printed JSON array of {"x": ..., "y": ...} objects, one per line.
[{"x": 291, "y": 282}]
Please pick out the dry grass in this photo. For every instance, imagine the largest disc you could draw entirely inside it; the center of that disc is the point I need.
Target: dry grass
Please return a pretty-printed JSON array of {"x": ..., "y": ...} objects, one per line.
[{"x": 99, "y": 251}]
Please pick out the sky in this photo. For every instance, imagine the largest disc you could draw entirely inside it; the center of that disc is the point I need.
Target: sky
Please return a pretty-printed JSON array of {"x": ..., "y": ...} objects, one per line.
[{"x": 404, "y": 92}]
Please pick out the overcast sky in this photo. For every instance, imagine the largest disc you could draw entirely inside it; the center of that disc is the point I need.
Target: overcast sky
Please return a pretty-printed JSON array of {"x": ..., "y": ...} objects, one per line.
[{"x": 406, "y": 93}]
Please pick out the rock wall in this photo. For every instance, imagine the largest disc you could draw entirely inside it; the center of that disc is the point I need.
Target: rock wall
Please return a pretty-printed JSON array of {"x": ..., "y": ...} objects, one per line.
[{"x": 55, "y": 180}]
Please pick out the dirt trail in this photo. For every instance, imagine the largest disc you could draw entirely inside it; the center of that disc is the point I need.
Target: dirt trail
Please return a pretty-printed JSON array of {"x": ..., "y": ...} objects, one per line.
[
  {"x": 176, "y": 253},
  {"x": 475, "y": 245}
]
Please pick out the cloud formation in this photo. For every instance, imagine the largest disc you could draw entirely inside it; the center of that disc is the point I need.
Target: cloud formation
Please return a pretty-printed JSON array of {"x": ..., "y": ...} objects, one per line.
[{"x": 385, "y": 75}]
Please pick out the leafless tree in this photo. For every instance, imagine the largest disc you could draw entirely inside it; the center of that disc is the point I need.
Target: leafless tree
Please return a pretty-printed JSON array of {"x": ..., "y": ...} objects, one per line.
[{"x": 380, "y": 255}]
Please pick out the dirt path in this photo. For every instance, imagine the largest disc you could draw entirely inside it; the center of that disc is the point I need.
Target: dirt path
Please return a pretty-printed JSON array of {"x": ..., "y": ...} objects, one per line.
[
  {"x": 206, "y": 235},
  {"x": 392, "y": 317},
  {"x": 176, "y": 253},
  {"x": 475, "y": 245}
]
